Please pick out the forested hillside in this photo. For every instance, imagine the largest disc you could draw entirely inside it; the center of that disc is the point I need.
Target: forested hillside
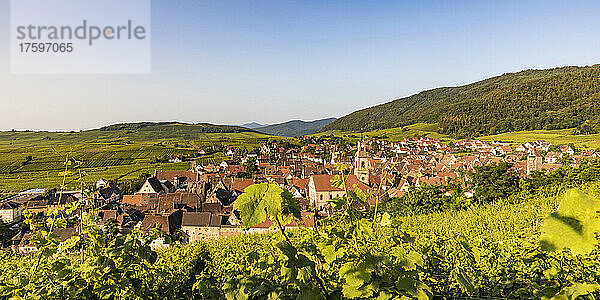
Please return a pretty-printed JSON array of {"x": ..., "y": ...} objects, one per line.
[{"x": 559, "y": 98}]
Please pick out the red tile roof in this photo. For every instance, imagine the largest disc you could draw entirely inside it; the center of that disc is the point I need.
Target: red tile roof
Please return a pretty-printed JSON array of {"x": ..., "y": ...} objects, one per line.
[
  {"x": 240, "y": 184},
  {"x": 134, "y": 200},
  {"x": 188, "y": 176},
  {"x": 323, "y": 183}
]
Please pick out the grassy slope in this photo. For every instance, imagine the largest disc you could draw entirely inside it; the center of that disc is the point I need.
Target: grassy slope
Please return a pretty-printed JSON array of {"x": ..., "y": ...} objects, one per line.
[
  {"x": 99, "y": 160},
  {"x": 393, "y": 134},
  {"x": 122, "y": 154},
  {"x": 557, "y": 137},
  {"x": 154, "y": 133}
]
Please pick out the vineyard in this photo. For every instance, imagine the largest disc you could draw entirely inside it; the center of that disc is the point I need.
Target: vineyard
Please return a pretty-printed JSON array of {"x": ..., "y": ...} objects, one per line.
[
  {"x": 32, "y": 162},
  {"x": 539, "y": 248},
  {"x": 39, "y": 166},
  {"x": 34, "y": 159},
  {"x": 214, "y": 159}
]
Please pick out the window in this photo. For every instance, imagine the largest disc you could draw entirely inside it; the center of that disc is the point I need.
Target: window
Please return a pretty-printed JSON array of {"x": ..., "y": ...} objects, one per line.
[{"x": 321, "y": 197}]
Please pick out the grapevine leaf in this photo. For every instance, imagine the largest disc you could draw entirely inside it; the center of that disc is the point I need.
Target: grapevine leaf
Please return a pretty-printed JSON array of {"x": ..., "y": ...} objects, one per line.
[
  {"x": 415, "y": 288},
  {"x": 260, "y": 200},
  {"x": 385, "y": 295},
  {"x": 573, "y": 225},
  {"x": 357, "y": 277},
  {"x": 364, "y": 229},
  {"x": 273, "y": 199},
  {"x": 463, "y": 280},
  {"x": 250, "y": 205},
  {"x": 275, "y": 295},
  {"x": 70, "y": 243},
  {"x": 338, "y": 202},
  {"x": 294, "y": 261},
  {"x": 412, "y": 260},
  {"x": 576, "y": 290},
  {"x": 331, "y": 254},
  {"x": 357, "y": 195},
  {"x": 360, "y": 194},
  {"x": 303, "y": 261},
  {"x": 310, "y": 293},
  {"x": 337, "y": 181},
  {"x": 581, "y": 289},
  {"x": 289, "y": 274},
  {"x": 290, "y": 205},
  {"x": 385, "y": 220},
  {"x": 288, "y": 250}
]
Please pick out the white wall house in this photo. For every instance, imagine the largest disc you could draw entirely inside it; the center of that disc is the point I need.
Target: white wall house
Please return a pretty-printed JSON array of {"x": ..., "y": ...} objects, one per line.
[{"x": 11, "y": 211}]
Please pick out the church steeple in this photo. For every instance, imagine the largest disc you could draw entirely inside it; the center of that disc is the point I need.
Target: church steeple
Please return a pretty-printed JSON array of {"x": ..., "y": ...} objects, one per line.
[{"x": 361, "y": 164}]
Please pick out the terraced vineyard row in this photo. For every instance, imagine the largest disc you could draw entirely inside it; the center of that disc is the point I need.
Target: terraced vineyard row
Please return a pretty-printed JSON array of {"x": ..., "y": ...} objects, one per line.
[{"x": 32, "y": 167}]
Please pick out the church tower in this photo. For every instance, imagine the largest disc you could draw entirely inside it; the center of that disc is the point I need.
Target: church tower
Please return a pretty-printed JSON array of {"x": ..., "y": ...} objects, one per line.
[
  {"x": 361, "y": 164},
  {"x": 534, "y": 162}
]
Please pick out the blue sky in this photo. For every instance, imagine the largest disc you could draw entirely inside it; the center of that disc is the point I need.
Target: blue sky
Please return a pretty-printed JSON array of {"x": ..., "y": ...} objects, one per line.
[{"x": 231, "y": 62}]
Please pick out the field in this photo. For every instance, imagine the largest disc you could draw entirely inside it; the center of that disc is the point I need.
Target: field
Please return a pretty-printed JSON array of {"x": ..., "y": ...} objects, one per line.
[
  {"x": 394, "y": 134},
  {"x": 37, "y": 159},
  {"x": 557, "y": 137}
]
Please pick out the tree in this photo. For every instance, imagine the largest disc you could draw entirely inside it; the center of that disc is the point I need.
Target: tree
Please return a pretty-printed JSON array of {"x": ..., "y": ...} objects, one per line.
[
  {"x": 131, "y": 186},
  {"x": 565, "y": 160},
  {"x": 427, "y": 198},
  {"x": 423, "y": 199},
  {"x": 494, "y": 182},
  {"x": 250, "y": 165}
]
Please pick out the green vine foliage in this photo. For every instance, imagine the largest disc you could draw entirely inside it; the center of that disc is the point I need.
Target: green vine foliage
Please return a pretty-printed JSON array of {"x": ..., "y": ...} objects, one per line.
[
  {"x": 574, "y": 225},
  {"x": 498, "y": 250},
  {"x": 342, "y": 257},
  {"x": 89, "y": 265}
]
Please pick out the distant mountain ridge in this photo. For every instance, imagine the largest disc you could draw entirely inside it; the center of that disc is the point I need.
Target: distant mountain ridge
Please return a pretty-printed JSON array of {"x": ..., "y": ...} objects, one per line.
[
  {"x": 253, "y": 125},
  {"x": 295, "y": 127},
  {"x": 559, "y": 98}
]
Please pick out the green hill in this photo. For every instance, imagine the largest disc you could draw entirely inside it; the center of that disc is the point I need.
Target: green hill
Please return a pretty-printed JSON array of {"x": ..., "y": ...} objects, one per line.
[
  {"x": 393, "y": 134},
  {"x": 122, "y": 151},
  {"x": 559, "y": 98},
  {"x": 142, "y": 131},
  {"x": 295, "y": 127}
]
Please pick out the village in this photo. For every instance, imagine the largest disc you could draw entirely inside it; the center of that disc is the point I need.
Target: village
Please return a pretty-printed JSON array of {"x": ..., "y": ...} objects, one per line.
[{"x": 197, "y": 204}]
